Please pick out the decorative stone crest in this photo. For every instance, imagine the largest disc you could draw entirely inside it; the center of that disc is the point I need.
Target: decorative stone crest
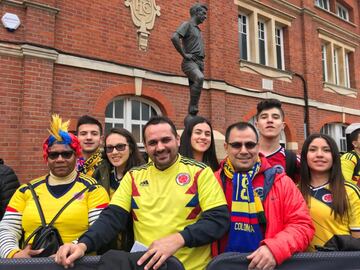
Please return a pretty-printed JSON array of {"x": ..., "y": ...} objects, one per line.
[{"x": 143, "y": 13}]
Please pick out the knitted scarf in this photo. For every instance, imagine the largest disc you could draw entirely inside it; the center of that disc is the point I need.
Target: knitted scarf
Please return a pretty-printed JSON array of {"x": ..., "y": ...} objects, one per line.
[
  {"x": 247, "y": 212},
  {"x": 88, "y": 166}
]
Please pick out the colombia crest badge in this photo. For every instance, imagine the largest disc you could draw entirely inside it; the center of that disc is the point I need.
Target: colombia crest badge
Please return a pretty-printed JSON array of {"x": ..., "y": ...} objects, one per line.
[{"x": 183, "y": 179}]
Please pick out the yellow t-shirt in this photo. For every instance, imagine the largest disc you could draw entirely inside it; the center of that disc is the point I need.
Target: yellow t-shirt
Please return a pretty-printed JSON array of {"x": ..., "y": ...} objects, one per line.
[
  {"x": 326, "y": 226},
  {"x": 165, "y": 202},
  {"x": 72, "y": 222},
  {"x": 348, "y": 163}
]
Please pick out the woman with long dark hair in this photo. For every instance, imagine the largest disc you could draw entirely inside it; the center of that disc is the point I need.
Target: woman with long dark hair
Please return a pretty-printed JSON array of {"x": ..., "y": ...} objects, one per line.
[
  {"x": 120, "y": 155},
  {"x": 334, "y": 204},
  {"x": 197, "y": 142}
]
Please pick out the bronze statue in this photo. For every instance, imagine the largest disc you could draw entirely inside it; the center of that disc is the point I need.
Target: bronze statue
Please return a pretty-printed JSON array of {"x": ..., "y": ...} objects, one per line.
[{"x": 188, "y": 41}]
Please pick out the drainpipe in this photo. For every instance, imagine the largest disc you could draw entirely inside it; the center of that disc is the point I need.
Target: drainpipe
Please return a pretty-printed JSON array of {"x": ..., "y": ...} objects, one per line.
[{"x": 306, "y": 109}]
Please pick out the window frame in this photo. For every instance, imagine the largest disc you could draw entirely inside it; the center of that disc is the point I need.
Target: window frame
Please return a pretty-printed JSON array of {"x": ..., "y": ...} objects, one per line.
[
  {"x": 347, "y": 70},
  {"x": 127, "y": 122},
  {"x": 323, "y": 4},
  {"x": 264, "y": 40},
  {"x": 337, "y": 132},
  {"x": 342, "y": 9},
  {"x": 240, "y": 28},
  {"x": 281, "y": 45},
  {"x": 324, "y": 61}
]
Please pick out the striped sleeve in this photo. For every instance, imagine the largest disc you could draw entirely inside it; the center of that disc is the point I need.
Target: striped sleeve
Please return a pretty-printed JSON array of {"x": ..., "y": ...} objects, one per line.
[
  {"x": 10, "y": 232},
  {"x": 98, "y": 199}
]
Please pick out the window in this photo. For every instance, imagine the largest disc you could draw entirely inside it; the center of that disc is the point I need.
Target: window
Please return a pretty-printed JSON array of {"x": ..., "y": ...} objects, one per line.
[
  {"x": 347, "y": 71},
  {"x": 324, "y": 63},
  {"x": 279, "y": 47},
  {"x": 130, "y": 113},
  {"x": 262, "y": 42},
  {"x": 342, "y": 12},
  {"x": 336, "y": 67},
  {"x": 337, "y": 132},
  {"x": 243, "y": 36},
  {"x": 324, "y": 4},
  {"x": 261, "y": 35},
  {"x": 335, "y": 57}
]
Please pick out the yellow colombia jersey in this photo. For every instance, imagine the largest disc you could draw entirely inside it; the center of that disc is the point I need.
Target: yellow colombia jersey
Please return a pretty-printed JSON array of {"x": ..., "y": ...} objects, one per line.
[
  {"x": 165, "y": 202},
  {"x": 75, "y": 219},
  {"x": 348, "y": 163},
  {"x": 326, "y": 226}
]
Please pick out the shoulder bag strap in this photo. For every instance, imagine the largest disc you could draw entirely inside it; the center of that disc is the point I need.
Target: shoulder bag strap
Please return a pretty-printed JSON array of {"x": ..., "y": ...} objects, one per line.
[
  {"x": 38, "y": 205},
  {"x": 68, "y": 203},
  {"x": 41, "y": 214}
]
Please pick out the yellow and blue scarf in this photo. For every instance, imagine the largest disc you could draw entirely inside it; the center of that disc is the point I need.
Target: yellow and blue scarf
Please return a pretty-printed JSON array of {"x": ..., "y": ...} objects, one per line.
[{"x": 247, "y": 212}]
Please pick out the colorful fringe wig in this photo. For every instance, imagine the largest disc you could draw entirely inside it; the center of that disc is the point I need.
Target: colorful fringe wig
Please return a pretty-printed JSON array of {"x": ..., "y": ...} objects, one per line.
[{"x": 59, "y": 134}]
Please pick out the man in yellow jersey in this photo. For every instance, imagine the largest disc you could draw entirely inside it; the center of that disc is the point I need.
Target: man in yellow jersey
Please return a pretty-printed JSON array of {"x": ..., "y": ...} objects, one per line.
[
  {"x": 176, "y": 203},
  {"x": 350, "y": 161}
]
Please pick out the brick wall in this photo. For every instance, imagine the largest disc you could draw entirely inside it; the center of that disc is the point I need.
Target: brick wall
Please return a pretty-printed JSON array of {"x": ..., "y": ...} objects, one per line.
[{"x": 31, "y": 88}]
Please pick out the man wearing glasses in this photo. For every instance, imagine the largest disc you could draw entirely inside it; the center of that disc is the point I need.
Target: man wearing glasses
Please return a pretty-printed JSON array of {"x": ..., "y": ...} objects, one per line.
[{"x": 269, "y": 217}]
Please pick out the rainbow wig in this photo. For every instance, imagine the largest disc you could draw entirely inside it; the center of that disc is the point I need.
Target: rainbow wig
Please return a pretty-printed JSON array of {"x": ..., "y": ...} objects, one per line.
[{"x": 59, "y": 134}]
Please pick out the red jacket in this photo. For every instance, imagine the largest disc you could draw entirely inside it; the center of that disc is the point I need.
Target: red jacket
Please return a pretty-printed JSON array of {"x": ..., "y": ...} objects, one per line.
[{"x": 289, "y": 228}]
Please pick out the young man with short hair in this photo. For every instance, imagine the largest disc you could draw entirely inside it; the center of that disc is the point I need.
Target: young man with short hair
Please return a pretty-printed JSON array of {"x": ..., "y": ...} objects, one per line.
[
  {"x": 90, "y": 134},
  {"x": 350, "y": 161},
  {"x": 270, "y": 123}
]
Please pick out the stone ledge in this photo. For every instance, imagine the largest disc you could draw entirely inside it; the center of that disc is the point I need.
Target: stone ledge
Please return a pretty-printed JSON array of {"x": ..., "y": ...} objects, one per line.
[
  {"x": 265, "y": 71},
  {"x": 341, "y": 90}
]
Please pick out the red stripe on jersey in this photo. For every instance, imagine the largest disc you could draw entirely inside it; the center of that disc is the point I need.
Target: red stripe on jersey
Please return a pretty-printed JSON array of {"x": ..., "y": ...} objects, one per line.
[
  {"x": 102, "y": 205},
  {"x": 135, "y": 191},
  {"x": 10, "y": 209},
  {"x": 193, "y": 188},
  {"x": 194, "y": 213}
]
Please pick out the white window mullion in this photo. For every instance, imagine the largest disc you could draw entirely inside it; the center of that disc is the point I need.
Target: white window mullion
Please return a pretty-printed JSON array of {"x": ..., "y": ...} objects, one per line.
[
  {"x": 324, "y": 62},
  {"x": 347, "y": 70}
]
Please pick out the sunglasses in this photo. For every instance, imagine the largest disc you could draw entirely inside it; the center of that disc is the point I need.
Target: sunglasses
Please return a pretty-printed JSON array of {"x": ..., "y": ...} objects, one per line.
[
  {"x": 239, "y": 145},
  {"x": 119, "y": 147},
  {"x": 64, "y": 155}
]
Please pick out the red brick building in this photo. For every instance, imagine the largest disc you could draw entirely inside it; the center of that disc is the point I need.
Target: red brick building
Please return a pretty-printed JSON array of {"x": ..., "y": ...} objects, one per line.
[{"x": 92, "y": 57}]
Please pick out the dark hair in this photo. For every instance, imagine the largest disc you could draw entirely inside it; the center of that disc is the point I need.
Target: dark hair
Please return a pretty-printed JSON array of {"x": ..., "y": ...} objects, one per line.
[
  {"x": 354, "y": 135},
  {"x": 159, "y": 119},
  {"x": 268, "y": 104},
  {"x": 86, "y": 119},
  {"x": 240, "y": 126},
  {"x": 336, "y": 180},
  {"x": 196, "y": 7},
  {"x": 209, "y": 157},
  {"x": 135, "y": 157}
]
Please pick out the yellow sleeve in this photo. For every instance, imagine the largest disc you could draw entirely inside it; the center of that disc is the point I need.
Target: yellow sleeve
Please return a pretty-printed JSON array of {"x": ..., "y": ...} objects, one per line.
[
  {"x": 18, "y": 200},
  {"x": 354, "y": 203},
  {"x": 122, "y": 196},
  {"x": 211, "y": 194},
  {"x": 98, "y": 198},
  {"x": 348, "y": 166}
]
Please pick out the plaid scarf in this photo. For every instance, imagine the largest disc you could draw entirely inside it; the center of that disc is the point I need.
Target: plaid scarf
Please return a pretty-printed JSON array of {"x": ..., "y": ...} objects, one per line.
[
  {"x": 247, "y": 212},
  {"x": 88, "y": 166}
]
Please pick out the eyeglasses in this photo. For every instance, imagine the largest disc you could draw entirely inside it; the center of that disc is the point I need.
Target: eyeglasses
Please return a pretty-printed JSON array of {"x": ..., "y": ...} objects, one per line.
[
  {"x": 239, "y": 145},
  {"x": 119, "y": 147},
  {"x": 65, "y": 155}
]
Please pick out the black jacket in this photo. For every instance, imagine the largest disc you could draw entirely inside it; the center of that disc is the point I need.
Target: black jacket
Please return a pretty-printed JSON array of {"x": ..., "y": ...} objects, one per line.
[{"x": 8, "y": 185}]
